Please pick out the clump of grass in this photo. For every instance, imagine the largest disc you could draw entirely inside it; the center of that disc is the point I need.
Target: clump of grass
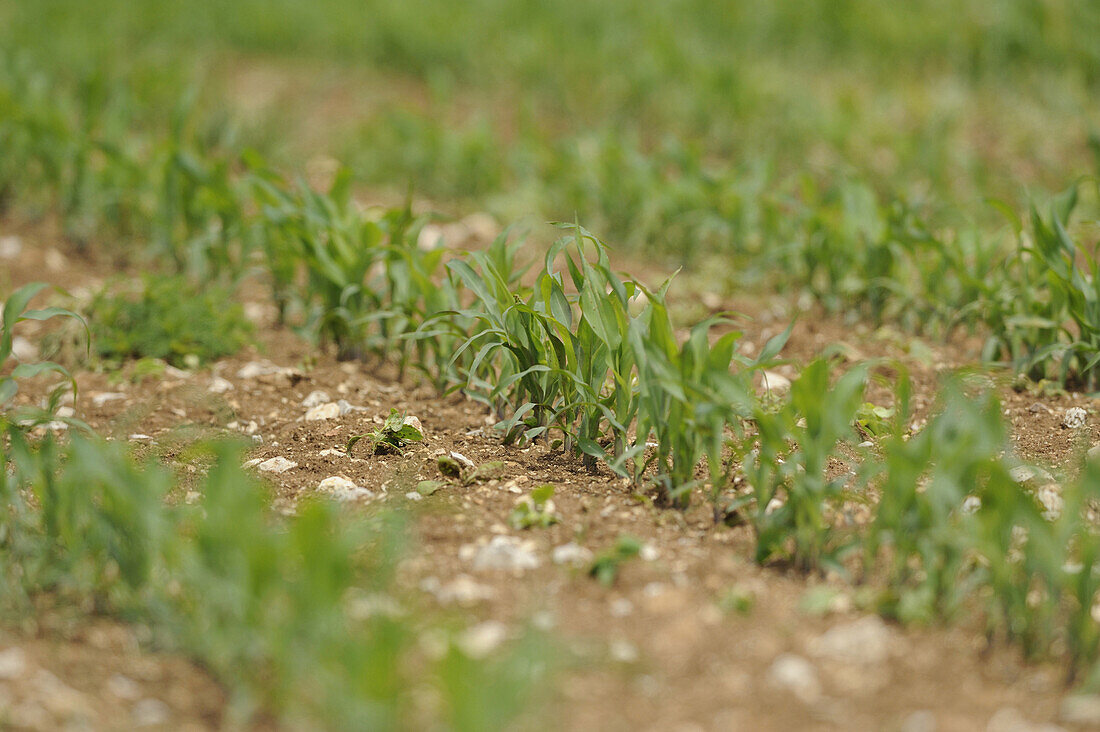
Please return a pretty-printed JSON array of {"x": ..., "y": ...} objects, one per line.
[{"x": 168, "y": 318}]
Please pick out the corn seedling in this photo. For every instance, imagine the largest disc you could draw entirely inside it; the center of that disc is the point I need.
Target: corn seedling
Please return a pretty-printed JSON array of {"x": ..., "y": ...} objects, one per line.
[
  {"x": 14, "y": 312},
  {"x": 795, "y": 492},
  {"x": 605, "y": 568},
  {"x": 535, "y": 511}
]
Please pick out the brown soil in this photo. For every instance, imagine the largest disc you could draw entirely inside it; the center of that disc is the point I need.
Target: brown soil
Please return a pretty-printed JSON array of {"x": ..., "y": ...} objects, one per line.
[{"x": 656, "y": 651}]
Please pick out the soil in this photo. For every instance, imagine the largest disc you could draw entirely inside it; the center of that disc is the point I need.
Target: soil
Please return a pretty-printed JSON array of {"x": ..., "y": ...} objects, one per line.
[{"x": 656, "y": 651}]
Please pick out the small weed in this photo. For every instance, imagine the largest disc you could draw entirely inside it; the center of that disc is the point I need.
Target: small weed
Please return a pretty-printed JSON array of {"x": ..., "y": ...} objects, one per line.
[
  {"x": 393, "y": 436},
  {"x": 605, "y": 569},
  {"x": 535, "y": 511},
  {"x": 170, "y": 319}
]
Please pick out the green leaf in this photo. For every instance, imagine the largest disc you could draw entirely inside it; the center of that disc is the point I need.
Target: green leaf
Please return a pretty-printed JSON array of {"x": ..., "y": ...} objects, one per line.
[
  {"x": 428, "y": 487},
  {"x": 542, "y": 494},
  {"x": 8, "y": 390}
]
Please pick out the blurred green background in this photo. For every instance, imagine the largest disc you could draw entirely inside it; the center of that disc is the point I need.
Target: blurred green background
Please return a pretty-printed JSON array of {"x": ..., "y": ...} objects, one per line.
[{"x": 679, "y": 127}]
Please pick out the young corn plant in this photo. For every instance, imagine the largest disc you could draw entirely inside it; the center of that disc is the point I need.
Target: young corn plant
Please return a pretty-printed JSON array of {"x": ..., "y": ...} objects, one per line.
[
  {"x": 923, "y": 535},
  {"x": 14, "y": 312},
  {"x": 598, "y": 355},
  {"x": 201, "y": 223},
  {"x": 285, "y": 613},
  {"x": 688, "y": 395},
  {"x": 796, "y": 493},
  {"x": 521, "y": 337},
  {"x": 337, "y": 247},
  {"x": 1045, "y": 320}
]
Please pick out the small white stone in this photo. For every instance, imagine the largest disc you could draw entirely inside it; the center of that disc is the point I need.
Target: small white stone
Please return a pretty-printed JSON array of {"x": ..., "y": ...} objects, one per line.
[
  {"x": 315, "y": 399},
  {"x": 23, "y": 350},
  {"x": 483, "y": 638},
  {"x": 430, "y": 237},
  {"x": 254, "y": 369},
  {"x": 467, "y": 462},
  {"x": 277, "y": 465},
  {"x": 1075, "y": 418},
  {"x": 505, "y": 553},
  {"x": 865, "y": 641},
  {"x": 1050, "y": 498},
  {"x": 1029, "y": 473},
  {"x": 138, "y": 437},
  {"x": 218, "y": 385},
  {"x": 10, "y": 247},
  {"x": 1081, "y": 709},
  {"x": 797, "y": 676},
  {"x": 151, "y": 713},
  {"x": 649, "y": 553},
  {"x": 107, "y": 396},
  {"x": 414, "y": 422},
  {"x": 330, "y": 452},
  {"x": 55, "y": 260},
  {"x": 343, "y": 489},
  {"x": 572, "y": 554},
  {"x": 1010, "y": 719},
  {"x": 331, "y": 410},
  {"x": 971, "y": 504},
  {"x": 123, "y": 687},
  {"x": 414, "y": 496},
  {"x": 623, "y": 651},
  {"x": 921, "y": 720},
  {"x": 13, "y": 663},
  {"x": 621, "y": 607},
  {"x": 462, "y": 590},
  {"x": 173, "y": 372},
  {"x": 773, "y": 383}
]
